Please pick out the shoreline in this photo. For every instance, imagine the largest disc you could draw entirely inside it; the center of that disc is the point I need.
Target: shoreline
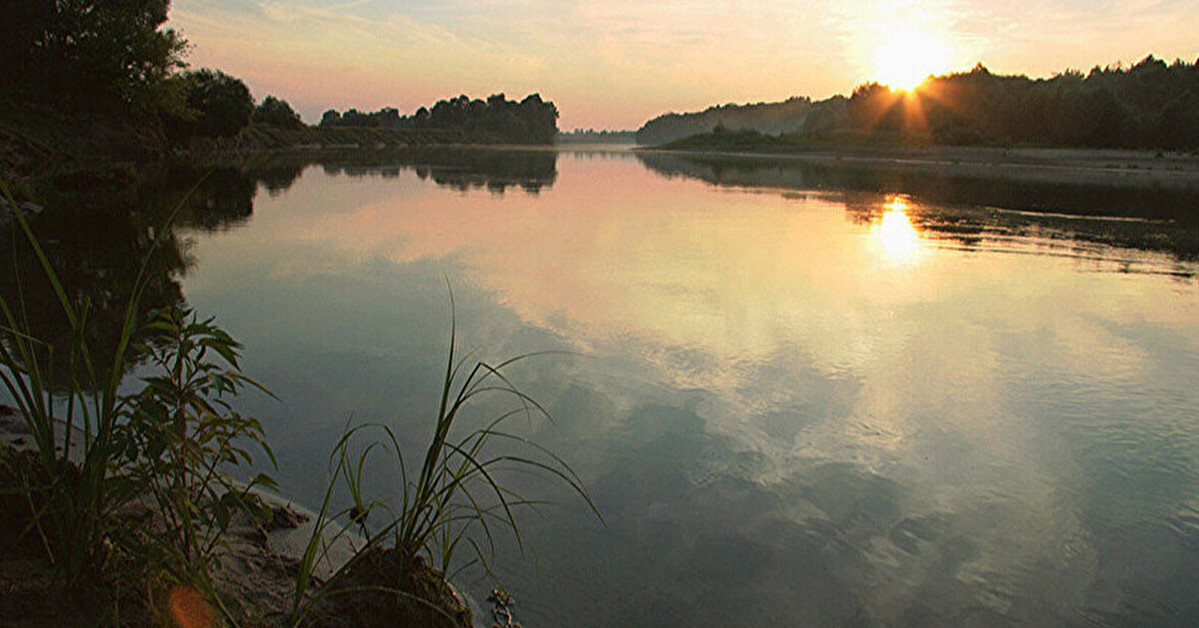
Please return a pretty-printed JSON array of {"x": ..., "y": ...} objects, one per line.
[
  {"x": 1109, "y": 167},
  {"x": 257, "y": 565}
]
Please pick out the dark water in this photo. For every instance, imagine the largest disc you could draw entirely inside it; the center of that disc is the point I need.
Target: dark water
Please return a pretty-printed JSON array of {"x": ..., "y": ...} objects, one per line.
[{"x": 797, "y": 395}]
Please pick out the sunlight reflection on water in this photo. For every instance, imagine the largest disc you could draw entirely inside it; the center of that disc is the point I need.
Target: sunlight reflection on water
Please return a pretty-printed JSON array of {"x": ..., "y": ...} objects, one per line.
[{"x": 895, "y": 231}]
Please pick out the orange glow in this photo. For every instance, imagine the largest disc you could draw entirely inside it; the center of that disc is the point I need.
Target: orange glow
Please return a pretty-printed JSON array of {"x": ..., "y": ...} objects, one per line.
[
  {"x": 895, "y": 230},
  {"x": 908, "y": 57},
  {"x": 189, "y": 609}
]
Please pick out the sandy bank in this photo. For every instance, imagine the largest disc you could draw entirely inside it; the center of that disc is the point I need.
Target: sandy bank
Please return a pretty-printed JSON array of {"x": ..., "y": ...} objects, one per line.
[
  {"x": 255, "y": 569},
  {"x": 1077, "y": 166}
]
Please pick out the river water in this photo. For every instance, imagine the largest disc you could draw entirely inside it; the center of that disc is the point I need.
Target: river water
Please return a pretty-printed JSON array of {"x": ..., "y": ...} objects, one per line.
[{"x": 795, "y": 397}]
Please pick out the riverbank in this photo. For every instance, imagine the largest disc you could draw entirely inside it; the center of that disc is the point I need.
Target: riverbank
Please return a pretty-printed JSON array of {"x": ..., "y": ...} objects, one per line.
[
  {"x": 255, "y": 566},
  {"x": 1046, "y": 165},
  {"x": 35, "y": 144},
  {"x": 259, "y": 138}
]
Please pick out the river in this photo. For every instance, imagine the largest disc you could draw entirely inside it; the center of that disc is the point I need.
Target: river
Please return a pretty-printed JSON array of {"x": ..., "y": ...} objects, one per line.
[{"x": 796, "y": 395}]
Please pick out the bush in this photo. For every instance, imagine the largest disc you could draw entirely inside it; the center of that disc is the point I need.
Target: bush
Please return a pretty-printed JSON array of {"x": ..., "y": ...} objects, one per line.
[
  {"x": 220, "y": 105},
  {"x": 277, "y": 112}
]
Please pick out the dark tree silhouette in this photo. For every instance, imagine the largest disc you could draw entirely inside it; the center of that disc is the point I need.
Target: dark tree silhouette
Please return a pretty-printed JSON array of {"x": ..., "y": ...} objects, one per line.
[
  {"x": 1151, "y": 104},
  {"x": 789, "y": 116},
  {"x": 95, "y": 53},
  {"x": 222, "y": 103},
  {"x": 277, "y": 112},
  {"x": 496, "y": 120},
  {"x": 1148, "y": 105}
]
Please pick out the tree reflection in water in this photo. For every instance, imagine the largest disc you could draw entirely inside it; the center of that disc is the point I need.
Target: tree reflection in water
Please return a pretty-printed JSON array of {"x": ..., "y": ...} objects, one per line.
[
  {"x": 98, "y": 227},
  {"x": 969, "y": 208}
]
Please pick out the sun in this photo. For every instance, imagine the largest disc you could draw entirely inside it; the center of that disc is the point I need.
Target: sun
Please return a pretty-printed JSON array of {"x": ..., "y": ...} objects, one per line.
[{"x": 905, "y": 57}]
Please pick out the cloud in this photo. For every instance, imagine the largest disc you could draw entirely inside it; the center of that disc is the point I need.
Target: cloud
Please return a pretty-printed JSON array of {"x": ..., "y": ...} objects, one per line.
[{"x": 619, "y": 62}]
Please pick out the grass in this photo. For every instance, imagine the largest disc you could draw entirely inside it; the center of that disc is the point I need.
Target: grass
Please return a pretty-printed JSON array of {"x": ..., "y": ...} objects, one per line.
[
  {"x": 100, "y": 456},
  {"x": 455, "y": 502},
  {"x": 71, "y": 502}
]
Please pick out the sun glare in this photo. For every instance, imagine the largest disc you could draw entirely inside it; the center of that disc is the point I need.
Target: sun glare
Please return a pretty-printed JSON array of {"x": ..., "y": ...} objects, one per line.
[
  {"x": 895, "y": 230},
  {"x": 907, "y": 57}
]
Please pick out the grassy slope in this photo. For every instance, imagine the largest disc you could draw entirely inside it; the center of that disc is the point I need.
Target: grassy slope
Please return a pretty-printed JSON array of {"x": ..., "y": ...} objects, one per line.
[
  {"x": 264, "y": 137},
  {"x": 36, "y": 140},
  {"x": 731, "y": 141}
]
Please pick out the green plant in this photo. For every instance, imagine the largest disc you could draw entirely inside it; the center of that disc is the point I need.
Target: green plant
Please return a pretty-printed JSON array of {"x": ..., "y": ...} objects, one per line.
[
  {"x": 181, "y": 433},
  {"x": 100, "y": 457},
  {"x": 71, "y": 498},
  {"x": 457, "y": 497}
]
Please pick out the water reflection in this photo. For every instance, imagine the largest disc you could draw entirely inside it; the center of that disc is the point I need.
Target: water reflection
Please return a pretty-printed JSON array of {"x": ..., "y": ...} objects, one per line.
[
  {"x": 1108, "y": 212},
  {"x": 894, "y": 230},
  {"x": 783, "y": 420},
  {"x": 99, "y": 225},
  {"x": 97, "y": 229},
  {"x": 464, "y": 170}
]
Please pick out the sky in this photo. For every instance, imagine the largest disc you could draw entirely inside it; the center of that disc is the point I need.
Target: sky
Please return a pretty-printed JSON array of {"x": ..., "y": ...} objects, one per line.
[{"x": 613, "y": 64}]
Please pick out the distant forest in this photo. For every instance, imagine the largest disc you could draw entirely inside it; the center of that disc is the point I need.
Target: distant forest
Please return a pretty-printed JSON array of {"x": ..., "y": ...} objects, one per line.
[
  {"x": 1151, "y": 104},
  {"x": 1148, "y": 105},
  {"x": 496, "y": 120},
  {"x": 797, "y": 115},
  {"x": 591, "y": 136}
]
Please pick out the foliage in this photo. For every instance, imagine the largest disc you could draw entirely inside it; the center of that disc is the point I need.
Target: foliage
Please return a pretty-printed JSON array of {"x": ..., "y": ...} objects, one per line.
[
  {"x": 1148, "y": 105},
  {"x": 179, "y": 434},
  {"x": 788, "y": 116},
  {"x": 221, "y": 104},
  {"x": 88, "y": 51},
  {"x": 495, "y": 120},
  {"x": 277, "y": 112},
  {"x": 502, "y": 613},
  {"x": 722, "y": 138}
]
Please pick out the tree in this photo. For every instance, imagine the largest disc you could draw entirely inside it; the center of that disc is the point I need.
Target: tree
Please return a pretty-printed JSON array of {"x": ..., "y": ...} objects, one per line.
[
  {"x": 93, "y": 52},
  {"x": 331, "y": 117},
  {"x": 222, "y": 103},
  {"x": 495, "y": 120},
  {"x": 277, "y": 112},
  {"x": 1177, "y": 125}
]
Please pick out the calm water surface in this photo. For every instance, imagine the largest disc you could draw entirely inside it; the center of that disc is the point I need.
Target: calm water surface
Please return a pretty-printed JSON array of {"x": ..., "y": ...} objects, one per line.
[{"x": 792, "y": 403}]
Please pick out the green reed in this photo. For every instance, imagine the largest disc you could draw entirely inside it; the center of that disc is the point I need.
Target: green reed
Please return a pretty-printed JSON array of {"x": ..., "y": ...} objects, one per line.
[
  {"x": 103, "y": 457},
  {"x": 455, "y": 500},
  {"x": 72, "y": 501}
]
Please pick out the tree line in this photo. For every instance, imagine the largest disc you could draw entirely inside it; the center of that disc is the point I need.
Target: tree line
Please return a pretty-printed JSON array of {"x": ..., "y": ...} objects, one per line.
[
  {"x": 496, "y": 120},
  {"x": 785, "y": 117},
  {"x": 118, "y": 64},
  {"x": 592, "y": 136},
  {"x": 1147, "y": 105},
  {"x": 1150, "y": 105}
]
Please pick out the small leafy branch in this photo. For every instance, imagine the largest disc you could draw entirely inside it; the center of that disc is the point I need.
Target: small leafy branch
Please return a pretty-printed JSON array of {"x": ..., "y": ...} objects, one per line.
[
  {"x": 181, "y": 431},
  {"x": 502, "y": 615}
]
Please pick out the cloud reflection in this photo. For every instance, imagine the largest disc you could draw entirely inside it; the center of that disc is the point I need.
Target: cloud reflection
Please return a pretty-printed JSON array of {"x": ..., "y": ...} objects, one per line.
[{"x": 781, "y": 419}]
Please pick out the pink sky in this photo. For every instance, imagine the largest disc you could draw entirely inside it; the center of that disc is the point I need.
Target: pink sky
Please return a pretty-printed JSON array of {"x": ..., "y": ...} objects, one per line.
[{"x": 617, "y": 63}]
